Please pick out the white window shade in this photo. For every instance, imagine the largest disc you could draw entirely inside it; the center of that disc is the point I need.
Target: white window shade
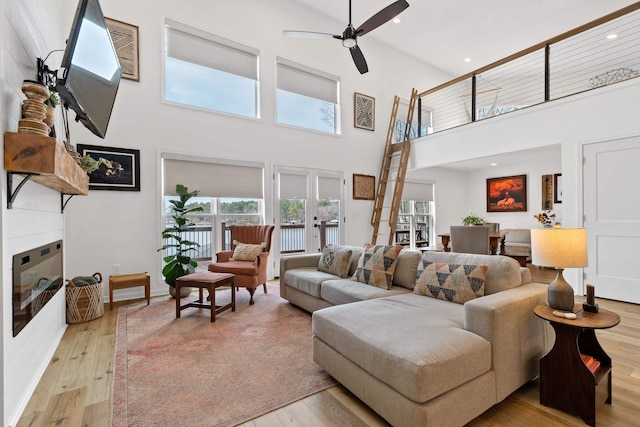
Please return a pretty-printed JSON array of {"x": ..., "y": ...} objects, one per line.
[
  {"x": 213, "y": 179},
  {"x": 417, "y": 191},
  {"x": 329, "y": 188},
  {"x": 202, "y": 48},
  {"x": 301, "y": 80},
  {"x": 293, "y": 186}
]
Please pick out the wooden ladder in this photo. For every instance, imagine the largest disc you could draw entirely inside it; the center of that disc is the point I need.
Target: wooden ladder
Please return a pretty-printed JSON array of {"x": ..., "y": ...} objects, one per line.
[{"x": 382, "y": 210}]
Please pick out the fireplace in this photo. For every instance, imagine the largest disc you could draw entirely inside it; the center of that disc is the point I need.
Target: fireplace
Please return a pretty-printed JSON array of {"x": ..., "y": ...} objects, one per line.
[{"x": 37, "y": 276}]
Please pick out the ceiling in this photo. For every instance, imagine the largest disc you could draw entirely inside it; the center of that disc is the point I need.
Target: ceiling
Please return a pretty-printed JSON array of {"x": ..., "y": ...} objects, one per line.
[{"x": 443, "y": 33}]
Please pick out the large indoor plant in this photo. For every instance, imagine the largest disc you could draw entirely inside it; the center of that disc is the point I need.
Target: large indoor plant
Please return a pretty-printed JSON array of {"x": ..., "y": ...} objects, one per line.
[{"x": 179, "y": 262}]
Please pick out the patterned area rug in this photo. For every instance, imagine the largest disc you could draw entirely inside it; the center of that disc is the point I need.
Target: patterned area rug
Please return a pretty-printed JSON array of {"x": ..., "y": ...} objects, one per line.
[{"x": 191, "y": 372}]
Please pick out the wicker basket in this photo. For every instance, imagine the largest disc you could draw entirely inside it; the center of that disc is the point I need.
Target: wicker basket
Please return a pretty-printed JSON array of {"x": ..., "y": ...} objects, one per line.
[{"x": 84, "y": 303}]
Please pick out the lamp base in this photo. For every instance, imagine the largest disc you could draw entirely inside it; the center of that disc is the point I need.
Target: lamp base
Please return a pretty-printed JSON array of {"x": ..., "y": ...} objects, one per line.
[{"x": 560, "y": 293}]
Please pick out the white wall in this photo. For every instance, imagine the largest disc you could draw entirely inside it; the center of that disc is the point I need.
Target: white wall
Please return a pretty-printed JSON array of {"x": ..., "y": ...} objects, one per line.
[
  {"x": 108, "y": 228},
  {"x": 29, "y": 30}
]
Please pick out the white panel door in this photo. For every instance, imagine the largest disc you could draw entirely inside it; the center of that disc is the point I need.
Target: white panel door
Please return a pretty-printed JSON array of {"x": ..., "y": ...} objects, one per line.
[{"x": 612, "y": 217}]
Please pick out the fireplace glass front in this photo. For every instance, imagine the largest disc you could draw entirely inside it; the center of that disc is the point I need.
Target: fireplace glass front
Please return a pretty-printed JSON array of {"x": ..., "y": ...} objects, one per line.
[{"x": 37, "y": 276}]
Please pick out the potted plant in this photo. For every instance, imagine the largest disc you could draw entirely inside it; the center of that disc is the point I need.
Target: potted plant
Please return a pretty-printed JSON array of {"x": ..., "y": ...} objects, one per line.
[
  {"x": 179, "y": 262},
  {"x": 473, "y": 219}
]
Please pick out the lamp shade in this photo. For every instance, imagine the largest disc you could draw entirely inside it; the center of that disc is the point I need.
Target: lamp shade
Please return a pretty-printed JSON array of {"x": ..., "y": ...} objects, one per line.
[{"x": 559, "y": 247}]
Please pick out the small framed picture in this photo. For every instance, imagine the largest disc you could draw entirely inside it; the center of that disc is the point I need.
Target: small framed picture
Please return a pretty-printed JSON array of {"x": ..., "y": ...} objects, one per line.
[
  {"x": 125, "y": 40},
  {"x": 118, "y": 168},
  {"x": 557, "y": 188},
  {"x": 364, "y": 187},
  {"x": 364, "y": 111}
]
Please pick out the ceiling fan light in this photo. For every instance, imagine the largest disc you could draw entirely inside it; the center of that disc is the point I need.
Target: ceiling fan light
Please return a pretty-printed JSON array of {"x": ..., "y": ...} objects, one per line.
[{"x": 349, "y": 43}]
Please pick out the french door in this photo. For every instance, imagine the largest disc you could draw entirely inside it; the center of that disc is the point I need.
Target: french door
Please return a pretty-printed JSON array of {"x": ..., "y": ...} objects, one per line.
[{"x": 308, "y": 209}]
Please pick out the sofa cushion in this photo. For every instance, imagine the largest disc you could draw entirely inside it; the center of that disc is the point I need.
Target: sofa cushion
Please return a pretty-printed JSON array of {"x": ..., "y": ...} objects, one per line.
[
  {"x": 344, "y": 291},
  {"x": 414, "y": 344},
  {"x": 503, "y": 272},
  {"x": 246, "y": 252},
  {"x": 335, "y": 260},
  {"x": 406, "y": 269},
  {"x": 307, "y": 280},
  {"x": 376, "y": 265},
  {"x": 450, "y": 282}
]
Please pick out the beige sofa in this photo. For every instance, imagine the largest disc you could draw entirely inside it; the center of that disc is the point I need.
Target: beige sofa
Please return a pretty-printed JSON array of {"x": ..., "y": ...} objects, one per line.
[
  {"x": 416, "y": 360},
  {"x": 517, "y": 243}
]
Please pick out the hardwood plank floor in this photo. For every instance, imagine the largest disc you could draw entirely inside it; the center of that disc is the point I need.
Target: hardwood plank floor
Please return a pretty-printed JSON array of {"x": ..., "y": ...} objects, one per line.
[{"x": 75, "y": 390}]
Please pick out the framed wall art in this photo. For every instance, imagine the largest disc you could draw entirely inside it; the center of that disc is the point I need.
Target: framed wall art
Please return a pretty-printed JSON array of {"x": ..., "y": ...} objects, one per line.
[
  {"x": 364, "y": 187},
  {"x": 118, "y": 168},
  {"x": 547, "y": 192},
  {"x": 557, "y": 188},
  {"x": 507, "y": 194},
  {"x": 125, "y": 40},
  {"x": 364, "y": 111}
]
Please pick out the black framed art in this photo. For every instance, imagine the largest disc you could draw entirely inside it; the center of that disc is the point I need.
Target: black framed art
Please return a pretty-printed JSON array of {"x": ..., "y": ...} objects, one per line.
[{"x": 118, "y": 168}]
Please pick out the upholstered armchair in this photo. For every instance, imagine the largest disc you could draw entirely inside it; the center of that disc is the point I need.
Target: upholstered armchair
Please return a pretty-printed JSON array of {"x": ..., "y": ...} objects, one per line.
[
  {"x": 472, "y": 239},
  {"x": 247, "y": 259}
]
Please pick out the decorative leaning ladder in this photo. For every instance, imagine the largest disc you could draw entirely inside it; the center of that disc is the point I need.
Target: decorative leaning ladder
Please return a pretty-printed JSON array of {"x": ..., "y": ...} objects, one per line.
[{"x": 389, "y": 191}]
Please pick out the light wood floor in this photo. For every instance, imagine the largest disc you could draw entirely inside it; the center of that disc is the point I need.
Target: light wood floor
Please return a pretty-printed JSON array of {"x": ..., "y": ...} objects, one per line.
[{"x": 76, "y": 387}]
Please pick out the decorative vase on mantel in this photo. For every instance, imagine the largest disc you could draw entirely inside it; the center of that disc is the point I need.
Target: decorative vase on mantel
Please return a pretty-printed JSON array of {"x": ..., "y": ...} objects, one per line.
[{"x": 34, "y": 110}]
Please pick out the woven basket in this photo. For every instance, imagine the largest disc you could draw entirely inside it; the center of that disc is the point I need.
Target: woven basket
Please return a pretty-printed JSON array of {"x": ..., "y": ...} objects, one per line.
[{"x": 84, "y": 303}]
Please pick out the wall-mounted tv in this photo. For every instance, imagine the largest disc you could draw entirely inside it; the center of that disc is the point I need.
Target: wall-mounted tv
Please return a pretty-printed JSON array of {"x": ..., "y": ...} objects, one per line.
[{"x": 91, "y": 71}]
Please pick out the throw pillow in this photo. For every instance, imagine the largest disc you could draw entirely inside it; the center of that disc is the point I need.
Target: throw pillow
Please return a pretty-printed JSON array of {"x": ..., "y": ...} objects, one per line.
[
  {"x": 376, "y": 265},
  {"x": 246, "y": 252},
  {"x": 335, "y": 260},
  {"x": 450, "y": 282}
]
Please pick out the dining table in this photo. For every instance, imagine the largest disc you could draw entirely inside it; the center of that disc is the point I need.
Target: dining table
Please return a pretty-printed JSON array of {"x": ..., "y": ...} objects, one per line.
[{"x": 496, "y": 242}]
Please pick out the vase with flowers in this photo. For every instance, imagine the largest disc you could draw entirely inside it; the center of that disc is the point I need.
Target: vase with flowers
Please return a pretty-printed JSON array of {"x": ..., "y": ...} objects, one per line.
[{"x": 546, "y": 218}]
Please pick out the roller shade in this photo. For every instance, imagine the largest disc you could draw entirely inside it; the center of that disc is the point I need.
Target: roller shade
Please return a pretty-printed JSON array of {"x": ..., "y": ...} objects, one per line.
[
  {"x": 305, "y": 81},
  {"x": 293, "y": 186},
  {"x": 213, "y": 179},
  {"x": 417, "y": 191},
  {"x": 199, "y": 47},
  {"x": 329, "y": 188}
]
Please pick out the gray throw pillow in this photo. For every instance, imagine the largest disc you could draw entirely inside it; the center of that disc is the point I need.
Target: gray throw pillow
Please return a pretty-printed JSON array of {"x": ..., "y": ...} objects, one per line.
[{"x": 335, "y": 260}]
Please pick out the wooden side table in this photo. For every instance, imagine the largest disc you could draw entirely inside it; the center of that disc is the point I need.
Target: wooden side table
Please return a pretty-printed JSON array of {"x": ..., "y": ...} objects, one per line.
[
  {"x": 209, "y": 280},
  {"x": 130, "y": 281},
  {"x": 565, "y": 381}
]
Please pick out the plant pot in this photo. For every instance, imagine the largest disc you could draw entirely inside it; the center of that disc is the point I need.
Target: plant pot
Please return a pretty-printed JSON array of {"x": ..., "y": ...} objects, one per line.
[{"x": 184, "y": 291}]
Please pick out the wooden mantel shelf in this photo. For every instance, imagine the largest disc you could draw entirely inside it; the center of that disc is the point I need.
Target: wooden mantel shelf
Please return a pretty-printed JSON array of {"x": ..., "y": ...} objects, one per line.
[{"x": 48, "y": 161}]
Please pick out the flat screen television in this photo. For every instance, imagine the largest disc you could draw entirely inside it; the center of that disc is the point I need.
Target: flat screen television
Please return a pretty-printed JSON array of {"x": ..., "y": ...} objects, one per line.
[{"x": 91, "y": 71}]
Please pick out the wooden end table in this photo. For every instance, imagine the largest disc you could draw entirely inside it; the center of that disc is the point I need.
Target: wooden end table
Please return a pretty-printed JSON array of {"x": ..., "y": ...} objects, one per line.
[
  {"x": 565, "y": 381},
  {"x": 211, "y": 281}
]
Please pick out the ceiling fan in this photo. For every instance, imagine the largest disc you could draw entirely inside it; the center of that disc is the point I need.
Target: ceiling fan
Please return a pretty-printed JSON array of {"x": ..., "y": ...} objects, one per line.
[{"x": 350, "y": 35}]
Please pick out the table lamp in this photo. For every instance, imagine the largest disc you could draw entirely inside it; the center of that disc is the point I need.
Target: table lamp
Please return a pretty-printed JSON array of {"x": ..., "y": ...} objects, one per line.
[{"x": 559, "y": 248}]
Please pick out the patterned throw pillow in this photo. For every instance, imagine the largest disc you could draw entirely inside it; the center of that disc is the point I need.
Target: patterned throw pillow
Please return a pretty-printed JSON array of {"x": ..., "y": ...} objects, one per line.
[
  {"x": 450, "y": 282},
  {"x": 335, "y": 260},
  {"x": 246, "y": 252},
  {"x": 376, "y": 265}
]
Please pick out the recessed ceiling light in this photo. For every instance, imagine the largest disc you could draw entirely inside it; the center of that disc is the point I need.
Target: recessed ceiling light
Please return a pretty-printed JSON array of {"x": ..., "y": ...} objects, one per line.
[
  {"x": 494, "y": 164},
  {"x": 396, "y": 20},
  {"x": 612, "y": 36},
  {"x": 467, "y": 59}
]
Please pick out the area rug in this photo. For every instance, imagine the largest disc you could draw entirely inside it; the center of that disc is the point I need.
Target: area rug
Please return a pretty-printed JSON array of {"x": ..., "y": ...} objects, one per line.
[{"x": 191, "y": 372}]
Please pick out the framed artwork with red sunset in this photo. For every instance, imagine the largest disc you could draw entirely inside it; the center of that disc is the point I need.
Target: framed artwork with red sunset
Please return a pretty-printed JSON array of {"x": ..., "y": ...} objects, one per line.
[{"x": 507, "y": 194}]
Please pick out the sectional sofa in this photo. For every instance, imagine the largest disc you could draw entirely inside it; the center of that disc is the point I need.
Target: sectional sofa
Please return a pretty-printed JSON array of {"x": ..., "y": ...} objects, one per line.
[{"x": 408, "y": 350}]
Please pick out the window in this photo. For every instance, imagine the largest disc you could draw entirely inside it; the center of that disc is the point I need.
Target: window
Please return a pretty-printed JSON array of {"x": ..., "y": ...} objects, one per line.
[
  {"x": 228, "y": 193},
  {"x": 307, "y": 98},
  {"x": 208, "y": 71},
  {"x": 415, "y": 216}
]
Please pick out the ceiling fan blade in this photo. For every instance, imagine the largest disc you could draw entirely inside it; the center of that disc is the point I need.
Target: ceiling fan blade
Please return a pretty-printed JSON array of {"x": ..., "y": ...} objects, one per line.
[
  {"x": 386, "y": 14},
  {"x": 310, "y": 34},
  {"x": 358, "y": 59}
]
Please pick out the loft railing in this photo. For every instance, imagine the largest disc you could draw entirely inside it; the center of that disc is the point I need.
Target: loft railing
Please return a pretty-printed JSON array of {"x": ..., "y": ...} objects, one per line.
[{"x": 585, "y": 58}]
